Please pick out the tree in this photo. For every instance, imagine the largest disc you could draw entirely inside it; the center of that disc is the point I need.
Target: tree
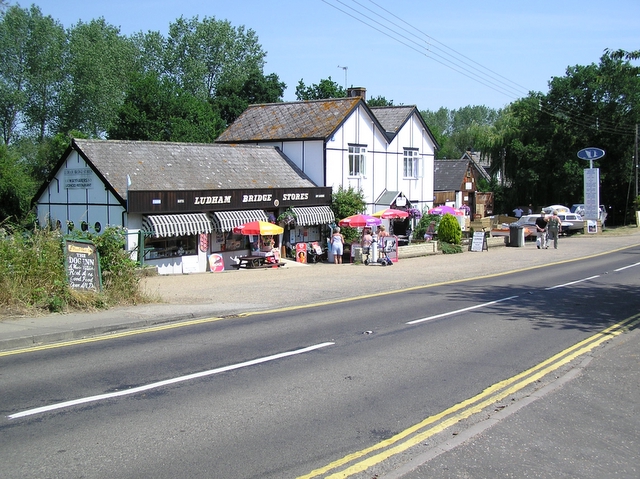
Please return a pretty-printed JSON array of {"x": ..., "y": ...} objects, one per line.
[
  {"x": 46, "y": 48},
  {"x": 539, "y": 135},
  {"x": 234, "y": 96},
  {"x": 16, "y": 186},
  {"x": 458, "y": 131},
  {"x": 324, "y": 90},
  {"x": 199, "y": 55},
  {"x": 348, "y": 202},
  {"x": 379, "y": 101},
  {"x": 157, "y": 109},
  {"x": 14, "y": 32},
  {"x": 99, "y": 66}
]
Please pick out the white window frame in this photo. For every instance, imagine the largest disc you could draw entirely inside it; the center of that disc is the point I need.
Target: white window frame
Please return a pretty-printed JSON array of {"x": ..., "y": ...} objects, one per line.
[
  {"x": 412, "y": 163},
  {"x": 357, "y": 160}
]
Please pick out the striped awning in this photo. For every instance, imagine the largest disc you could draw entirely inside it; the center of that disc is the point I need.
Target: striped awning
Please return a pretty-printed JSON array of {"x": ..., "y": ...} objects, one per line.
[
  {"x": 227, "y": 220},
  {"x": 177, "y": 225},
  {"x": 314, "y": 215}
]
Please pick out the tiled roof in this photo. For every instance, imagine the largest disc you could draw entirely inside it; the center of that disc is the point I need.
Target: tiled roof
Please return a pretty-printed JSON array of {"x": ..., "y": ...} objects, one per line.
[
  {"x": 449, "y": 174},
  {"x": 316, "y": 119},
  {"x": 190, "y": 166},
  {"x": 392, "y": 117}
]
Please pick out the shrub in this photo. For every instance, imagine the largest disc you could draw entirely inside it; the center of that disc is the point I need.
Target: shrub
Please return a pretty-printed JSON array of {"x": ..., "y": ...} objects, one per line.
[
  {"x": 448, "y": 248},
  {"x": 449, "y": 230},
  {"x": 33, "y": 275}
]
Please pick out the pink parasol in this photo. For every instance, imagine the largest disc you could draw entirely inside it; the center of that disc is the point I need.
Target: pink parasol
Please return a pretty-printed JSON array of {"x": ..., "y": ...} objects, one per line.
[
  {"x": 444, "y": 209},
  {"x": 391, "y": 213},
  {"x": 360, "y": 221}
]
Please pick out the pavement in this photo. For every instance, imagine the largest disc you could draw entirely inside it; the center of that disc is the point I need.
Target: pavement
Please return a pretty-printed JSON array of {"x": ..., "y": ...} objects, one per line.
[{"x": 593, "y": 406}]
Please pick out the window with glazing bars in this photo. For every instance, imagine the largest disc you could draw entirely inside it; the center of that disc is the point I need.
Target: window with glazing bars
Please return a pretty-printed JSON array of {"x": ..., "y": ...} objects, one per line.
[
  {"x": 411, "y": 163},
  {"x": 357, "y": 157}
]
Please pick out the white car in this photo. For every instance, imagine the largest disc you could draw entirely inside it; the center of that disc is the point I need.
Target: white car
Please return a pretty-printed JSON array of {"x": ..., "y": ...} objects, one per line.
[{"x": 602, "y": 213}]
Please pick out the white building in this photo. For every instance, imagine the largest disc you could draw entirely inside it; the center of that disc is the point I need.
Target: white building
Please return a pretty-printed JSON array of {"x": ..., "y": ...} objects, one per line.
[
  {"x": 387, "y": 152},
  {"x": 179, "y": 202}
]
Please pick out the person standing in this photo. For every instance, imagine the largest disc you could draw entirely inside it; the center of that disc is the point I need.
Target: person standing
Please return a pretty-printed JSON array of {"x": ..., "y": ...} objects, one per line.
[
  {"x": 541, "y": 231},
  {"x": 337, "y": 246},
  {"x": 554, "y": 226},
  {"x": 366, "y": 241},
  {"x": 517, "y": 211}
]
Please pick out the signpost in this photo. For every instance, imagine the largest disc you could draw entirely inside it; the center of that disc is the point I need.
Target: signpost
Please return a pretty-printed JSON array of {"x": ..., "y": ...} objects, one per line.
[
  {"x": 479, "y": 241},
  {"x": 83, "y": 265},
  {"x": 591, "y": 182}
]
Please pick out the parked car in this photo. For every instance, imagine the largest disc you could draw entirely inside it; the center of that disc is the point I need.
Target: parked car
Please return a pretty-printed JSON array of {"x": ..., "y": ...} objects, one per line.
[
  {"x": 579, "y": 209},
  {"x": 559, "y": 208},
  {"x": 571, "y": 223},
  {"x": 528, "y": 222}
]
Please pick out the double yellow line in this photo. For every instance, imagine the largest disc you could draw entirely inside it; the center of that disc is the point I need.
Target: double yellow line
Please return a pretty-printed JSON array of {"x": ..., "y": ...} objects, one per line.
[{"x": 361, "y": 460}]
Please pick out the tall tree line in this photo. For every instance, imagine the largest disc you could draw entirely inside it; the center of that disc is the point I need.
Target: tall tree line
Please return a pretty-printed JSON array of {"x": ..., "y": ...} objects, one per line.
[{"x": 91, "y": 81}]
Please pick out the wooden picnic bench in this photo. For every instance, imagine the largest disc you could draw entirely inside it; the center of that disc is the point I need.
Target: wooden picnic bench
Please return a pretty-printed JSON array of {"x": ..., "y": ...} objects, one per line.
[{"x": 255, "y": 262}]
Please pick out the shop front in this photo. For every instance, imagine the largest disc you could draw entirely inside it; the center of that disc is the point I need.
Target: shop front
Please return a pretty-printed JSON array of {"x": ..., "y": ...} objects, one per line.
[{"x": 193, "y": 231}]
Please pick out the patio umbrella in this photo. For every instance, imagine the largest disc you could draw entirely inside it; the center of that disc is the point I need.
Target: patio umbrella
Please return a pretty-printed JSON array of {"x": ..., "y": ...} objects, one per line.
[
  {"x": 391, "y": 213},
  {"x": 360, "y": 221},
  {"x": 444, "y": 209},
  {"x": 259, "y": 228}
]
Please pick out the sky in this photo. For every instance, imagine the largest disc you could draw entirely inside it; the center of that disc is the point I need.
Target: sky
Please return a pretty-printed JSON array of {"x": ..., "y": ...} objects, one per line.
[{"x": 414, "y": 52}]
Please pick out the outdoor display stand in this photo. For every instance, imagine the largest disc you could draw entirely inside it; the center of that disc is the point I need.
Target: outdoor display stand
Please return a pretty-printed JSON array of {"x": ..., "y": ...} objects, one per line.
[{"x": 479, "y": 242}]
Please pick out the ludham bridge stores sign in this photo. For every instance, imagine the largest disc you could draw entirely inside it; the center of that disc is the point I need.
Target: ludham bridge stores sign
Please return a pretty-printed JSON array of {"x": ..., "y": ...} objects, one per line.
[{"x": 219, "y": 200}]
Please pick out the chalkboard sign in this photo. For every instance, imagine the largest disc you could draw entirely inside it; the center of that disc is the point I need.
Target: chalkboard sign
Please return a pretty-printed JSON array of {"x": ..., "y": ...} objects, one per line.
[
  {"x": 479, "y": 241},
  {"x": 83, "y": 265}
]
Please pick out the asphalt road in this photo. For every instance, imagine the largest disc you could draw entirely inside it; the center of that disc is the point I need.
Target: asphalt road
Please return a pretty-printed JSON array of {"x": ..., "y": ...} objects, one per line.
[{"x": 377, "y": 374}]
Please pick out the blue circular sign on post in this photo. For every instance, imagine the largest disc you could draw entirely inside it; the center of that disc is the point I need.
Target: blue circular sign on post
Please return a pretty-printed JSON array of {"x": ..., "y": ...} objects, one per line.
[{"x": 591, "y": 154}]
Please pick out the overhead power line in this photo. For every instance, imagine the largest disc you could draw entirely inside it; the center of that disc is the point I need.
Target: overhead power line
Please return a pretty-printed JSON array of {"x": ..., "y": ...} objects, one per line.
[{"x": 379, "y": 19}]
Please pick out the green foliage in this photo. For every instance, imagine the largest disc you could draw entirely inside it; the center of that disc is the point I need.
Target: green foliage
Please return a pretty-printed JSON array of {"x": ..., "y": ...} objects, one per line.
[
  {"x": 235, "y": 95},
  {"x": 16, "y": 186},
  {"x": 157, "y": 109},
  {"x": 32, "y": 273},
  {"x": 448, "y": 248},
  {"x": 202, "y": 54},
  {"x": 119, "y": 272},
  {"x": 379, "y": 101},
  {"x": 348, "y": 202},
  {"x": 458, "y": 131},
  {"x": 326, "y": 89},
  {"x": 449, "y": 230},
  {"x": 33, "y": 276},
  {"x": 99, "y": 67},
  {"x": 422, "y": 226}
]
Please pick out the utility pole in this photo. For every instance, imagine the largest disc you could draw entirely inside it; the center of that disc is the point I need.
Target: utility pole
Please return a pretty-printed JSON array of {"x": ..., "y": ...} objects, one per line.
[
  {"x": 635, "y": 157},
  {"x": 345, "y": 76}
]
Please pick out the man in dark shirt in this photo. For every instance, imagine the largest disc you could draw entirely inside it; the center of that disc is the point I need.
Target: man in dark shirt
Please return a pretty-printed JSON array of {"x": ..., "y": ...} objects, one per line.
[{"x": 541, "y": 231}]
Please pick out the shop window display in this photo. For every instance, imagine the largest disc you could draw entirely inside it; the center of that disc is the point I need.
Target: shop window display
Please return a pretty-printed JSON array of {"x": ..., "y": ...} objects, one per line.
[{"x": 170, "y": 247}]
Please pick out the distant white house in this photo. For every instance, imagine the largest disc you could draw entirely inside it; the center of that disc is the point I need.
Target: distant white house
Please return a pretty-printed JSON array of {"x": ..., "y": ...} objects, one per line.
[{"x": 388, "y": 152}]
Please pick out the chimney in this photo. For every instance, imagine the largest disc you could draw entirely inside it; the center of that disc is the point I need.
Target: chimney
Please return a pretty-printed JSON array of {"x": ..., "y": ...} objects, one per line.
[{"x": 355, "y": 92}]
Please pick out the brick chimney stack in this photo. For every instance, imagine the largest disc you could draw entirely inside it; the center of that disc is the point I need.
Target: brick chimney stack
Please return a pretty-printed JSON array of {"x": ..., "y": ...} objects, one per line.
[{"x": 355, "y": 92}]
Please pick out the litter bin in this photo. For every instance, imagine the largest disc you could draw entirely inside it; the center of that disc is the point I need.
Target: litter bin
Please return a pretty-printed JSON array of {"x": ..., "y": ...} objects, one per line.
[{"x": 516, "y": 235}]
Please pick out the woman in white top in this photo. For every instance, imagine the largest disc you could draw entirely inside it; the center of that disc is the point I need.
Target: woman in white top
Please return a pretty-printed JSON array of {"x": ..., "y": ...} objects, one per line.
[{"x": 337, "y": 246}]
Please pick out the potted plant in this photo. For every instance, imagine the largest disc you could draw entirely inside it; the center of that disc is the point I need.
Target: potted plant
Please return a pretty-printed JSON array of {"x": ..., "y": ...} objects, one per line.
[{"x": 288, "y": 218}]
